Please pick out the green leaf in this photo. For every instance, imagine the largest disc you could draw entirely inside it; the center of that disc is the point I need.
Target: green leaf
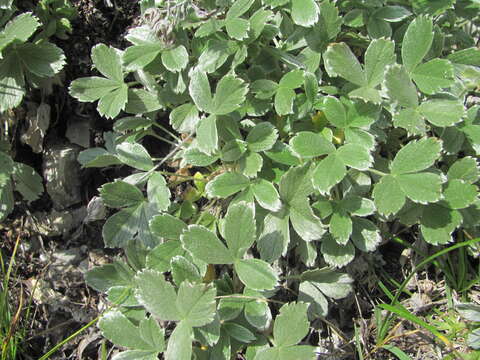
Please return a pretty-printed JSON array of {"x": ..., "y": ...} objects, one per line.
[
  {"x": 183, "y": 269},
  {"x": 262, "y": 137},
  {"x": 275, "y": 237},
  {"x": 121, "y": 227},
  {"x": 141, "y": 101},
  {"x": 295, "y": 183},
  {"x": 180, "y": 342},
  {"x": 387, "y": 195},
  {"x": 310, "y": 293},
  {"x": 308, "y": 144},
  {"x": 184, "y": 118},
  {"x": 195, "y": 157},
  {"x": 459, "y": 194},
  {"x": 329, "y": 172},
  {"x": 237, "y": 28},
  {"x": 442, "y": 112},
  {"x": 417, "y": 155},
  {"x": 160, "y": 257},
  {"x": 158, "y": 192},
  {"x": 6, "y": 200},
  {"x": 433, "y": 76},
  {"x": 44, "y": 59},
  {"x": 417, "y": 42},
  {"x": 108, "y": 62},
  {"x": 104, "y": 277},
  {"x": 90, "y": 89},
  {"x": 205, "y": 245},
  {"x": 118, "y": 329},
  {"x": 438, "y": 223},
  {"x": 392, "y": 13},
  {"x": 139, "y": 56},
  {"x": 465, "y": 169},
  {"x": 12, "y": 82},
  {"x": 399, "y": 86},
  {"x": 233, "y": 150},
  {"x": 306, "y": 224},
  {"x": 19, "y": 28},
  {"x": 334, "y": 284},
  {"x": 336, "y": 254},
  {"x": 196, "y": 303},
  {"x": 134, "y": 155},
  {"x": 27, "y": 182},
  {"x": 305, "y": 12},
  {"x": 340, "y": 226},
  {"x": 365, "y": 235},
  {"x": 355, "y": 156},
  {"x": 226, "y": 184},
  {"x": 238, "y": 332},
  {"x": 470, "y": 56},
  {"x": 175, "y": 59},
  {"x": 422, "y": 187},
  {"x": 250, "y": 164},
  {"x": 239, "y": 229},
  {"x": 284, "y": 101},
  {"x": 199, "y": 90},
  {"x": 120, "y": 194},
  {"x": 151, "y": 332},
  {"x": 229, "y": 95},
  {"x": 411, "y": 120},
  {"x": 256, "y": 274},
  {"x": 214, "y": 55},
  {"x": 291, "y": 325},
  {"x": 266, "y": 195},
  {"x": 207, "y": 135},
  {"x": 238, "y": 8},
  {"x": 157, "y": 295},
  {"x": 112, "y": 103},
  {"x": 340, "y": 61},
  {"x": 380, "y": 53},
  {"x": 136, "y": 355},
  {"x": 335, "y": 112}
]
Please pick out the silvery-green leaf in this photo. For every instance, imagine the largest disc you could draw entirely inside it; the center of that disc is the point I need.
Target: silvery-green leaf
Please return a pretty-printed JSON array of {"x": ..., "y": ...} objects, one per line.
[
  {"x": 136, "y": 355},
  {"x": 27, "y": 182},
  {"x": 284, "y": 101},
  {"x": 309, "y": 144},
  {"x": 257, "y": 312},
  {"x": 438, "y": 223},
  {"x": 196, "y": 303},
  {"x": 139, "y": 56},
  {"x": 411, "y": 120},
  {"x": 266, "y": 195},
  {"x": 195, "y": 157},
  {"x": 262, "y": 137},
  {"x": 151, "y": 332},
  {"x": 238, "y": 8},
  {"x": 416, "y": 156},
  {"x": 459, "y": 194},
  {"x": 355, "y": 156},
  {"x": 335, "y": 112},
  {"x": 205, "y": 245},
  {"x": 167, "y": 226},
  {"x": 360, "y": 137},
  {"x": 335, "y": 254},
  {"x": 115, "y": 274},
  {"x": 417, "y": 42},
  {"x": 329, "y": 172},
  {"x": 256, "y": 274},
  {"x": 433, "y": 76},
  {"x": 175, "y": 59},
  {"x": 226, "y": 184},
  {"x": 158, "y": 192},
  {"x": 134, "y": 155},
  {"x": 442, "y": 112},
  {"x": 356, "y": 205},
  {"x": 238, "y": 332},
  {"x": 108, "y": 62},
  {"x": 207, "y": 134},
  {"x": 340, "y": 226},
  {"x": 275, "y": 237},
  {"x": 306, "y": 224},
  {"x": 12, "y": 81},
  {"x": 291, "y": 325},
  {"x": 309, "y": 293},
  {"x": 469, "y": 311},
  {"x": 399, "y": 86},
  {"x": 340, "y": 61},
  {"x": 229, "y": 95},
  {"x": 19, "y": 28},
  {"x": 239, "y": 229},
  {"x": 112, "y": 103},
  {"x": 183, "y": 269},
  {"x": 392, "y": 13},
  {"x": 379, "y": 54},
  {"x": 365, "y": 235},
  {"x": 233, "y": 150},
  {"x": 122, "y": 332},
  {"x": 44, "y": 59},
  {"x": 121, "y": 227},
  {"x": 237, "y": 28},
  {"x": 388, "y": 196},
  {"x": 333, "y": 284},
  {"x": 159, "y": 258},
  {"x": 184, "y": 118},
  {"x": 120, "y": 194},
  {"x": 465, "y": 169},
  {"x": 157, "y": 295},
  {"x": 141, "y": 101},
  {"x": 199, "y": 90},
  {"x": 180, "y": 342},
  {"x": 250, "y": 164},
  {"x": 422, "y": 187},
  {"x": 305, "y": 12},
  {"x": 214, "y": 55}
]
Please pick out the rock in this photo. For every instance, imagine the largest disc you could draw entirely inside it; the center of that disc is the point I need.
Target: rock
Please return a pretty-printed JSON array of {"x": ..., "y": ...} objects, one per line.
[
  {"x": 78, "y": 131},
  {"x": 58, "y": 223},
  {"x": 96, "y": 210},
  {"x": 61, "y": 171},
  {"x": 38, "y": 120}
]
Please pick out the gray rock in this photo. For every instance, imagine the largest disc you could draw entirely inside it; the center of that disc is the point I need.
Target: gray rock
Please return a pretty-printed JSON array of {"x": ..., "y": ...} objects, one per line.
[
  {"x": 61, "y": 171},
  {"x": 78, "y": 131},
  {"x": 58, "y": 223}
]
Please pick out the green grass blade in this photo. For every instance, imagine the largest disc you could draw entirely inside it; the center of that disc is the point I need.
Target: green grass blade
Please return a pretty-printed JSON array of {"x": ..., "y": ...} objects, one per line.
[{"x": 397, "y": 352}]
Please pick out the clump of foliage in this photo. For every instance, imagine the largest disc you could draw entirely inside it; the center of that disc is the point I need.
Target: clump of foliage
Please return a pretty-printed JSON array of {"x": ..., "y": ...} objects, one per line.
[{"x": 307, "y": 131}]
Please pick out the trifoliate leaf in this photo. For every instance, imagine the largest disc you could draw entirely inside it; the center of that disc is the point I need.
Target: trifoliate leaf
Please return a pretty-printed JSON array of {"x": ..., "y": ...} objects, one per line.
[
  {"x": 309, "y": 293},
  {"x": 417, "y": 42},
  {"x": 365, "y": 235},
  {"x": 122, "y": 332},
  {"x": 27, "y": 182},
  {"x": 291, "y": 325},
  {"x": 207, "y": 134},
  {"x": 195, "y": 157},
  {"x": 160, "y": 257},
  {"x": 157, "y": 295},
  {"x": 108, "y": 62},
  {"x": 387, "y": 196},
  {"x": 305, "y": 12},
  {"x": 158, "y": 192},
  {"x": 199, "y": 90},
  {"x": 256, "y": 274},
  {"x": 422, "y": 187},
  {"x": 308, "y": 144},
  {"x": 340, "y": 226},
  {"x": 335, "y": 254},
  {"x": 399, "y": 86},
  {"x": 134, "y": 155},
  {"x": 196, "y": 303},
  {"x": 262, "y": 137},
  {"x": 433, "y": 76},
  {"x": 239, "y": 229},
  {"x": 416, "y": 156},
  {"x": 120, "y": 194},
  {"x": 238, "y": 332},
  {"x": 292, "y": 79},
  {"x": 205, "y": 245},
  {"x": 438, "y": 223},
  {"x": 175, "y": 59},
  {"x": 340, "y": 61},
  {"x": 19, "y": 28},
  {"x": 266, "y": 195},
  {"x": 306, "y": 224},
  {"x": 380, "y": 54},
  {"x": 442, "y": 112},
  {"x": 184, "y": 118},
  {"x": 335, "y": 112},
  {"x": 136, "y": 355},
  {"x": 112, "y": 103},
  {"x": 226, "y": 184},
  {"x": 180, "y": 342},
  {"x": 139, "y": 56},
  {"x": 459, "y": 194},
  {"x": 44, "y": 59},
  {"x": 12, "y": 81},
  {"x": 257, "y": 312},
  {"x": 465, "y": 169},
  {"x": 229, "y": 95}
]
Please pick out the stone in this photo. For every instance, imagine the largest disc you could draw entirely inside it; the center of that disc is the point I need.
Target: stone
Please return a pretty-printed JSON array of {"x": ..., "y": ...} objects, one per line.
[
  {"x": 61, "y": 172},
  {"x": 78, "y": 131}
]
